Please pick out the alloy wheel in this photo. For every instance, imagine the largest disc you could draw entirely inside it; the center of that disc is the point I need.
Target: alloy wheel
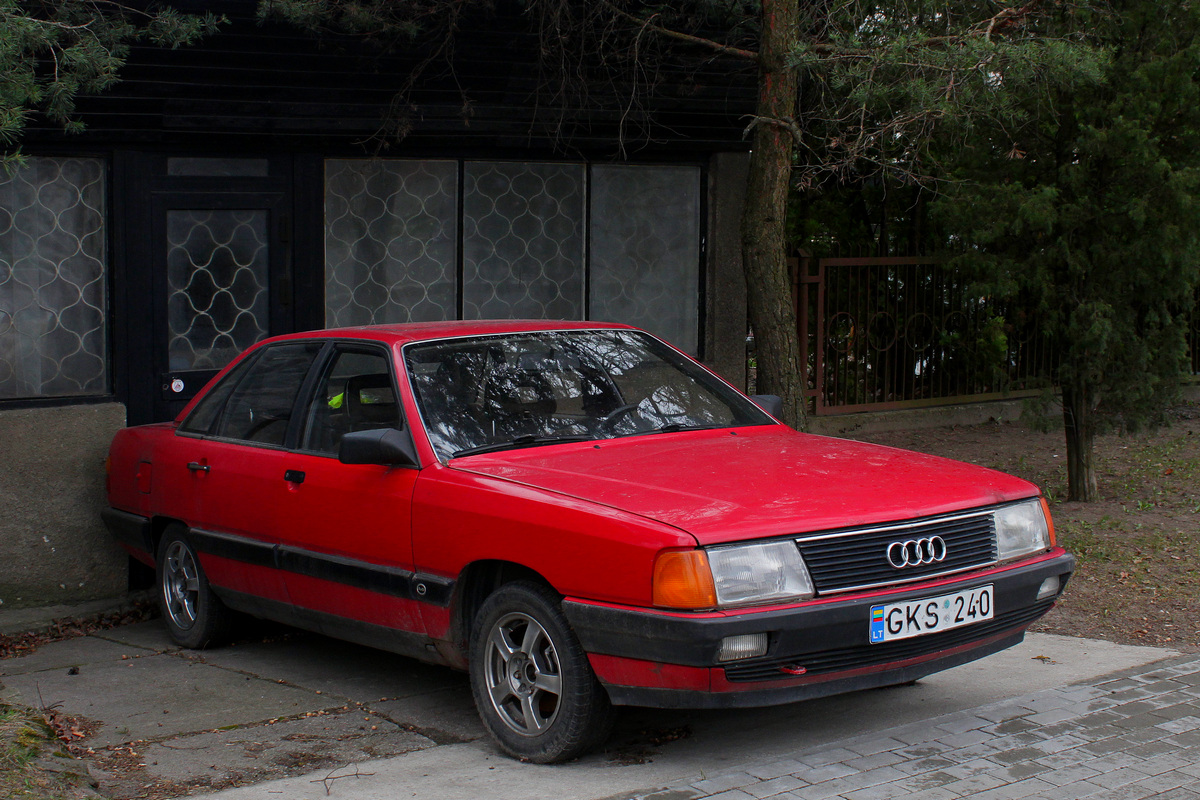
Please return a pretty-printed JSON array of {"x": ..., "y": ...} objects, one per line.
[
  {"x": 180, "y": 585},
  {"x": 522, "y": 673}
]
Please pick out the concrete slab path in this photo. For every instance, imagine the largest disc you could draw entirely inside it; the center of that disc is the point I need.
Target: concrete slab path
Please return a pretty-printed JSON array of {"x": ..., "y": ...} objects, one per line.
[
  {"x": 871, "y": 746},
  {"x": 350, "y": 722}
]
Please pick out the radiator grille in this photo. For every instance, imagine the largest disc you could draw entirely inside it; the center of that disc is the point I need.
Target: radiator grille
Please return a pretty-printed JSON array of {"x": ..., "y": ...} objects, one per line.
[{"x": 844, "y": 560}]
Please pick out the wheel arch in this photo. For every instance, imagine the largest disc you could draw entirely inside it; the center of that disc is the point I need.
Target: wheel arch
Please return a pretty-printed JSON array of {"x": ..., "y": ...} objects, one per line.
[
  {"x": 158, "y": 527},
  {"x": 475, "y": 584}
]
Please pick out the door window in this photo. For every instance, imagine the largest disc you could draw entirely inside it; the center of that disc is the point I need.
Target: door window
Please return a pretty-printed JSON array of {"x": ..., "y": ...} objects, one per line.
[
  {"x": 357, "y": 393},
  {"x": 256, "y": 402}
]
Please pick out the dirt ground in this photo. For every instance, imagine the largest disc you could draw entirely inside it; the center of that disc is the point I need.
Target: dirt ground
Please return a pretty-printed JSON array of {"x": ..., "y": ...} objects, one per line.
[{"x": 1138, "y": 576}]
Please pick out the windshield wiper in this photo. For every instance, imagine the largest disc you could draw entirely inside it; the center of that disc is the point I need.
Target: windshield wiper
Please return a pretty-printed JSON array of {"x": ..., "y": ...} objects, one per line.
[
  {"x": 671, "y": 427},
  {"x": 527, "y": 440}
]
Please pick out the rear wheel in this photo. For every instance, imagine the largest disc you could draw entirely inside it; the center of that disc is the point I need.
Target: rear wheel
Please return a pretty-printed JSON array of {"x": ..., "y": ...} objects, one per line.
[
  {"x": 533, "y": 685},
  {"x": 195, "y": 616}
]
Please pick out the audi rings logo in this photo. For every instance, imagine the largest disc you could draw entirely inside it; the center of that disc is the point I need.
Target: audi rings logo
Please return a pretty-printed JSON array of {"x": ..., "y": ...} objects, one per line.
[{"x": 915, "y": 552}]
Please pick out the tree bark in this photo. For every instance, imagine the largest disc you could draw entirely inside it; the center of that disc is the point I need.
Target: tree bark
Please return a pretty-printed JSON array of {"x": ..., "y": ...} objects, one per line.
[
  {"x": 1079, "y": 425},
  {"x": 764, "y": 243}
]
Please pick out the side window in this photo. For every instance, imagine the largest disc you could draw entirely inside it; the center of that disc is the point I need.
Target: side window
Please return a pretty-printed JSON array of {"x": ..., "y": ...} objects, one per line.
[
  {"x": 204, "y": 416},
  {"x": 356, "y": 393},
  {"x": 260, "y": 406}
]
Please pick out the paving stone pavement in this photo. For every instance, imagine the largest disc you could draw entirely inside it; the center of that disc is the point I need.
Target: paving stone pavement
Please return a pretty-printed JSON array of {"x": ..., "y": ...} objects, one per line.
[{"x": 1128, "y": 736}]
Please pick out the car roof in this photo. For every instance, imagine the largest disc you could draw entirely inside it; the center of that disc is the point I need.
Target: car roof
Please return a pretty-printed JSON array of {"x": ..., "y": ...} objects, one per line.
[{"x": 403, "y": 333}]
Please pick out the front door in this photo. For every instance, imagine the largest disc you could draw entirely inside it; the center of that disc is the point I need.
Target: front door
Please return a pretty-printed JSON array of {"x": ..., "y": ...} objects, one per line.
[
  {"x": 211, "y": 260},
  {"x": 345, "y": 528}
]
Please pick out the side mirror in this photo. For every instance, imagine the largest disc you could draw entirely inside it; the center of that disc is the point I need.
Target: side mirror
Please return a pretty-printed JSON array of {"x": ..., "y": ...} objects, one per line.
[
  {"x": 770, "y": 403},
  {"x": 386, "y": 446}
]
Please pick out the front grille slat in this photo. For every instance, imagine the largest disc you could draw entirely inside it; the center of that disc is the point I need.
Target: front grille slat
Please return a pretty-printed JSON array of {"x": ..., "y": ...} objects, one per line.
[{"x": 844, "y": 560}]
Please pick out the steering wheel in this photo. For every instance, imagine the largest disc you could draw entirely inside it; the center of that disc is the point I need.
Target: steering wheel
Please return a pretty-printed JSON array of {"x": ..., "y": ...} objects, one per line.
[{"x": 611, "y": 419}]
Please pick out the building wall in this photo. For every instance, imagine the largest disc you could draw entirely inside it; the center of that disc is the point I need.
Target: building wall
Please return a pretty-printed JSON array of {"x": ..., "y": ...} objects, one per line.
[
  {"x": 53, "y": 547},
  {"x": 725, "y": 287}
]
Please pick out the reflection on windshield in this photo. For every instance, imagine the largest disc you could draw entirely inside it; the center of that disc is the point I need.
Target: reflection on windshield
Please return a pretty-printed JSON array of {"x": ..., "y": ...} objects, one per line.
[{"x": 489, "y": 393}]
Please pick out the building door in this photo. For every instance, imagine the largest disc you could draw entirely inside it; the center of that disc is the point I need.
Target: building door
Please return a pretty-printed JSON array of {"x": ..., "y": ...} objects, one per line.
[{"x": 211, "y": 268}]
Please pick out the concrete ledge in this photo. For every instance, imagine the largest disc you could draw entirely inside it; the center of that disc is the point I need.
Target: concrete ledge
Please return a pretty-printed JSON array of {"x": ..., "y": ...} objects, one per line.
[
  {"x": 909, "y": 419},
  {"x": 43, "y": 618}
]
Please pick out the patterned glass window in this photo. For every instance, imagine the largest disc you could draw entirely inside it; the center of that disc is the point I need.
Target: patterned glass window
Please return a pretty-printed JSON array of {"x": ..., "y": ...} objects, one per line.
[
  {"x": 217, "y": 269},
  {"x": 523, "y": 241},
  {"x": 645, "y": 250},
  {"x": 53, "y": 264},
  {"x": 391, "y": 241}
]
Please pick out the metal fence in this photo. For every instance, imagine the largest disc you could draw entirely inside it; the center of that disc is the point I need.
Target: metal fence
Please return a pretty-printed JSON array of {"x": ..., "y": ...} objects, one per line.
[
  {"x": 1194, "y": 338},
  {"x": 883, "y": 333}
]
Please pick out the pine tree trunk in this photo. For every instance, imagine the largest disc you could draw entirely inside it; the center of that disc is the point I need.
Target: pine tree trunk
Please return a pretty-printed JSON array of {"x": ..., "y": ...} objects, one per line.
[
  {"x": 1080, "y": 430},
  {"x": 764, "y": 256}
]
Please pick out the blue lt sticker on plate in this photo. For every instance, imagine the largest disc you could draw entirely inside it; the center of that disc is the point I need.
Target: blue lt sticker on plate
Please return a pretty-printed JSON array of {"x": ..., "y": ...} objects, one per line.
[{"x": 930, "y": 615}]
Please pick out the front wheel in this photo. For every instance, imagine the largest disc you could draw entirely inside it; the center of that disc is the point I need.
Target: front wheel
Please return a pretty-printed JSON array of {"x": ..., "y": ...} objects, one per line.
[
  {"x": 532, "y": 682},
  {"x": 195, "y": 616}
]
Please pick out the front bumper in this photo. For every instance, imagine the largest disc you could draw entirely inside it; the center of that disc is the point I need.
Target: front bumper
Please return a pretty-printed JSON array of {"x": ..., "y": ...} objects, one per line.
[{"x": 664, "y": 659}]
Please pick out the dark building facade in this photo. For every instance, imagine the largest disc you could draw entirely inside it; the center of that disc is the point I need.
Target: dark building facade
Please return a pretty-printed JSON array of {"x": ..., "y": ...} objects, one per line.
[{"x": 238, "y": 189}]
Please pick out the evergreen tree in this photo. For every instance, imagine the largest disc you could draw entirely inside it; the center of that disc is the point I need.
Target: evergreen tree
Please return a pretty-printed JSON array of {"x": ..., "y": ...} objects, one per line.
[
  {"x": 850, "y": 87},
  {"x": 51, "y": 52},
  {"x": 1089, "y": 206}
]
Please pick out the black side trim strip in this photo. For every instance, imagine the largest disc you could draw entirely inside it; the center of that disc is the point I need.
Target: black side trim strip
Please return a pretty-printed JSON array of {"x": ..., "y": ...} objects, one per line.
[
  {"x": 132, "y": 530},
  {"x": 235, "y": 548},
  {"x": 389, "y": 581},
  {"x": 359, "y": 574}
]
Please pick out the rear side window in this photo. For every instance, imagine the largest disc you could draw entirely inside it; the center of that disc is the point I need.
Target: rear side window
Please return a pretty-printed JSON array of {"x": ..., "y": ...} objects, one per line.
[
  {"x": 255, "y": 404},
  {"x": 204, "y": 416}
]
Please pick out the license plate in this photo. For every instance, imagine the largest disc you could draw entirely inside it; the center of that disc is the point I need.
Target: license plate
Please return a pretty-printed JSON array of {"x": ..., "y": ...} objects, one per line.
[{"x": 931, "y": 615}]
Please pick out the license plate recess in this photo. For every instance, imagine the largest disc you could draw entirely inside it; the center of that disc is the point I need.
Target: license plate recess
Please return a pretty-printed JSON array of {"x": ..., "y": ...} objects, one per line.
[{"x": 892, "y": 621}]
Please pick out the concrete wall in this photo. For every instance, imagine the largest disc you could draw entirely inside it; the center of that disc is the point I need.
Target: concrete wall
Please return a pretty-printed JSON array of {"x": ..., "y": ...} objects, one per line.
[
  {"x": 725, "y": 286},
  {"x": 53, "y": 547},
  {"x": 914, "y": 419}
]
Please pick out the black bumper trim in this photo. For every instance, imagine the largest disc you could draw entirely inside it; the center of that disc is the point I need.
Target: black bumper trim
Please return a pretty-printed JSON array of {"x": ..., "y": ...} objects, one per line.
[
  {"x": 131, "y": 530},
  {"x": 755, "y": 696},
  {"x": 794, "y": 633}
]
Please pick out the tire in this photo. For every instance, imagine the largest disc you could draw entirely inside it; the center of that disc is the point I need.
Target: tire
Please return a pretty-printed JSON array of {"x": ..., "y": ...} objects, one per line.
[
  {"x": 196, "y": 618},
  {"x": 533, "y": 686}
]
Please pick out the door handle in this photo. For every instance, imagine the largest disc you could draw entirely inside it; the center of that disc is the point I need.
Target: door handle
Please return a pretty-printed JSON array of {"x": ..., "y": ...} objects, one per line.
[
  {"x": 293, "y": 476},
  {"x": 196, "y": 466}
]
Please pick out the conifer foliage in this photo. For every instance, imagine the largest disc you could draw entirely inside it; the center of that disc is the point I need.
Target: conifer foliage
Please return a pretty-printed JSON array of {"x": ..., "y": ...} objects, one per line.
[
  {"x": 1087, "y": 207},
  {"x": 53, "y": 51}
]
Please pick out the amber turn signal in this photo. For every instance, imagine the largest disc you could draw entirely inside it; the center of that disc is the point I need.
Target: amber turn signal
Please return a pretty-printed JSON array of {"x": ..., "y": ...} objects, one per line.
[
  {"x": 1049, "y": 522},
  {"x": 682, "y": 579}
]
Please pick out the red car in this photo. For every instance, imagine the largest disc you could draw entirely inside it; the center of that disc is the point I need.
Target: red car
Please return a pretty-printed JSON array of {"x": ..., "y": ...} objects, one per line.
[{"x": 579, "y": 515}]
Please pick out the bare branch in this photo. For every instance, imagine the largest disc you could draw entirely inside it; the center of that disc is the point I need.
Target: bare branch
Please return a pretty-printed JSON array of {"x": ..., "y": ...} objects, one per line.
[
  {"x": 699, "y": 41},
  {"x": 788, "y": 125}
]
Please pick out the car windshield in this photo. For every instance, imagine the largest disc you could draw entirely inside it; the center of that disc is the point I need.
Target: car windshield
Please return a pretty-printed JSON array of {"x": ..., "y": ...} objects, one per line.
[{"x": 519, "y": 390}]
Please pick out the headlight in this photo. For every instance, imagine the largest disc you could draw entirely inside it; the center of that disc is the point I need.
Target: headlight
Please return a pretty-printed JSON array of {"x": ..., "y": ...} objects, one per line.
[
  {"x": 1022, "y": 529},
  {"x": 759, "y": 573}
]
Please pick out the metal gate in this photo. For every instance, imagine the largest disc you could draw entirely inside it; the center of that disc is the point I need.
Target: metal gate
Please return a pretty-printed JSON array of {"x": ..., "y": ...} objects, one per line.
[{"x": 905, "y": 332}]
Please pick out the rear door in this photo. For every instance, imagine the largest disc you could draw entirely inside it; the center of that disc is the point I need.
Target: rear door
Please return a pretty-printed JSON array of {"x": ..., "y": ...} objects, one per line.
[{"x": 230, "y": 456}]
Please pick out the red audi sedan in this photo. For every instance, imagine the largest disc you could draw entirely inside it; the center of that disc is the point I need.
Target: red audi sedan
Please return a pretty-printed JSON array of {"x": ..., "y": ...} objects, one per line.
[{"x": 578, "y": 514}]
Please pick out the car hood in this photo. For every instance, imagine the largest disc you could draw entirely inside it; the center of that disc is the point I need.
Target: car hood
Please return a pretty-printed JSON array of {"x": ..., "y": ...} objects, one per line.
[{"x": 727, "y": 485}]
